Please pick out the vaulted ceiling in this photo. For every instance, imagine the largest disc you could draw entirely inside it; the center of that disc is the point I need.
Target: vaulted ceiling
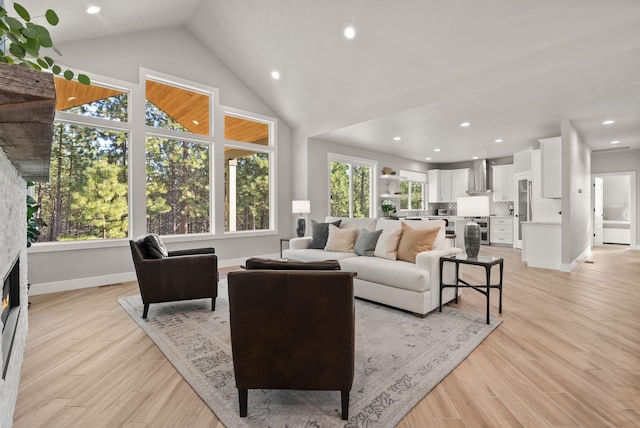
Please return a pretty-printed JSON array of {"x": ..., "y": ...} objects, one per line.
[{"x": 415, "y": 69}]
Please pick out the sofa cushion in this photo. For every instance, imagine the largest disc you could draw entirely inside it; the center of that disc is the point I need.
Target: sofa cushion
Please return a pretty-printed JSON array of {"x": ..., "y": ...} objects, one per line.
[
  {"x": 341, "y": 240},
  {"x": 414, "y": 241},
  {"x": 439, "y": 243},
  {"x": 387, "y": 245},
  {"x": 394, "y": 273},
  {"x": 308, "y": 255},
  {"x": 366, "y": 243},
  {"x": 320, "y": 233},
  {"x": 262, "y": 263},
  {"x": 153, "y": 247}
]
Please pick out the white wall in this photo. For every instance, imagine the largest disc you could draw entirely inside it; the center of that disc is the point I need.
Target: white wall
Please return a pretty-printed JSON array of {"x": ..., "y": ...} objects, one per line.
[
  {"x": 177, "y": 53},
  {"x": 622, "y": 161},
  {"x": 576, "y": 200},
  {"x": 615, "y": 190},
  {"x": 318, "y": 170}
]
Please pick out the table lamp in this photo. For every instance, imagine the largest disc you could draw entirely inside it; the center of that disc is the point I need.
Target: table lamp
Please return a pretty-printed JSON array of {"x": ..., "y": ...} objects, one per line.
[
  {"x": 472, "y": 206},
  {"x": 300, "y": 207}
]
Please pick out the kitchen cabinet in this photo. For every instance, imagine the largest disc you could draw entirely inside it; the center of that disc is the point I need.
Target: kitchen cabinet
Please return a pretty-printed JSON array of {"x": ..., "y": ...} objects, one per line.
[
  {"x": 389, "y": 186},
  {"x": 447, "y": 185},
  {"x": 501, "y": 230},
  {"x": 503, "y": 183},
  {"x": 551, "y": 154},
  {"x": 542, "y": 245}
]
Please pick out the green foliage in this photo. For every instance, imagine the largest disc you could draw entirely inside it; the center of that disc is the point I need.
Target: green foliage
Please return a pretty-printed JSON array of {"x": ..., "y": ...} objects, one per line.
[
  {"x": 252, "y": 192},
  {"x": 25, "y": 38},
  {"x": 354, "y": 180},
  {"x": 33, "y": 223}
]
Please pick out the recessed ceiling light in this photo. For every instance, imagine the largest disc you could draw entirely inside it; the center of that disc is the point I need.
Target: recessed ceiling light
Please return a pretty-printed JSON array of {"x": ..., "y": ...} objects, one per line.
[
  {"x": 499, "y": 140},
  {"x": 615, "y": 142},
  {"x": 428, "y": 158},
  {"x": 397, "y": 138},
  {"x": 465, "y": 124},
  {"x": 71, "y": 99},
  {"x": 93, "y": 10},
  {"x": 275, "y": 75},
  {"x": 349, "y": 32},
  {"x": 475, "y": 157},
  {"x": 608, "y": 122},
  {"x": 436, "y": 150},
  {"x": 195, "y": 122}
]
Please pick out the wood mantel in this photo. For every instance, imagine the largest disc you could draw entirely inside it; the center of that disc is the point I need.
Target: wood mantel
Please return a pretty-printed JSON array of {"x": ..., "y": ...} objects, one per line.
[{"x": 27, "y": 109}]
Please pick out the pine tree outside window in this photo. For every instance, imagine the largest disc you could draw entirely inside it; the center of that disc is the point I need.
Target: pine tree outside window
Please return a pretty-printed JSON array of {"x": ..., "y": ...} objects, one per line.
[{"x": 351, "y": 186}]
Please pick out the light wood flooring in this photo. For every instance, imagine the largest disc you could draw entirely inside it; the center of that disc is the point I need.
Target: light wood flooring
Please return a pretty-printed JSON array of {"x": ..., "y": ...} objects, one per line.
[{"x": 567, "y": 354}]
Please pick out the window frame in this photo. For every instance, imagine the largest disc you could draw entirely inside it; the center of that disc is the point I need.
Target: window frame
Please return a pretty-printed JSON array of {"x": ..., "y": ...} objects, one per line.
[
  {"x": 415, "y": 174},
  {"x": 271, "y": 149},
  {"x": 373, "y": 187},
  {"x": 138, "y": 130}
]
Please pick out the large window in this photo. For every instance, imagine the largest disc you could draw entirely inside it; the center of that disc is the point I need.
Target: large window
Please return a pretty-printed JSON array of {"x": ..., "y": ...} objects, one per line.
[
  {"x": 86, "y": 196},
  {"x": 414, "y": 187},
  {"x": 178, "y": 169},
  {"x": 350, "y": 184},
  {"x": 118, "y": 174},
  {"x": 177, "y": 186},
  {"x": 247, "y": 173}
]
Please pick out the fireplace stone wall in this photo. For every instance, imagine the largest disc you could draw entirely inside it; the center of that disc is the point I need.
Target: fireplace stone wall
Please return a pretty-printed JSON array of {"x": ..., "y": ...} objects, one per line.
[{"x": 13, "y": 244}]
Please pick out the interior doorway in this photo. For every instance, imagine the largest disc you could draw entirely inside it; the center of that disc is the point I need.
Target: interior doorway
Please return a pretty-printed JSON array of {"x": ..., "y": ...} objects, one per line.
[{"x": 615, "y": 221}]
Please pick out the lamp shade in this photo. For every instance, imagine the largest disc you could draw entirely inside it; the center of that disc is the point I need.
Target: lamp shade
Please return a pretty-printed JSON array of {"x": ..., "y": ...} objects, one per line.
[
  {"x": 301, "y": 207},
  {"x": 473, "y": 206}
]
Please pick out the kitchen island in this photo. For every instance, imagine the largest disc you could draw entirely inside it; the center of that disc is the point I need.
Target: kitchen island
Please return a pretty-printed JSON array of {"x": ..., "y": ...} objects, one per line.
[{"x": 541, "y": 244}]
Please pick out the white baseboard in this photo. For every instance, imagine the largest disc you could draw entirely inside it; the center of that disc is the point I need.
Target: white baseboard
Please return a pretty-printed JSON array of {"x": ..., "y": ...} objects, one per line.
[
  {"x": 76, "y": 284},
  {"x": 97, "y": 281},
  {"x": 570, "y": 267}
]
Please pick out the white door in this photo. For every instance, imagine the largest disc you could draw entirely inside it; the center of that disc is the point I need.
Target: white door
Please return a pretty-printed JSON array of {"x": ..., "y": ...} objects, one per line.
[
  {"x": 521, "y": 205},
  {"x": 598, "y": 212}
]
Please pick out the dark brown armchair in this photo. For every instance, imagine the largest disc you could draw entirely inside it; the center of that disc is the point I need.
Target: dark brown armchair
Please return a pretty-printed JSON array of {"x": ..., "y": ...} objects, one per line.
[
  {"x": 292, "y": 329},
  {"x": 182, "y": 275}
]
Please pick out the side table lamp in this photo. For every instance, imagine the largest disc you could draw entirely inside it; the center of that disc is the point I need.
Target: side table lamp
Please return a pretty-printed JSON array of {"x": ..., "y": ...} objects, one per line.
[
  {"x": 300, "y": 207},
  {"x": 472, "y": 206}
]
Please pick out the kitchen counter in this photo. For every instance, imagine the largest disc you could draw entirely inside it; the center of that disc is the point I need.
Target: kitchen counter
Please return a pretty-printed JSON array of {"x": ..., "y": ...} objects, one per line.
[{"x": 543, "y": 222}]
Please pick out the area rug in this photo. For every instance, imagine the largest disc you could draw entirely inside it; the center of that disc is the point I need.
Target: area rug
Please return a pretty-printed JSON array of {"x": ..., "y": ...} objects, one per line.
[{"x": 399, "y": 359}]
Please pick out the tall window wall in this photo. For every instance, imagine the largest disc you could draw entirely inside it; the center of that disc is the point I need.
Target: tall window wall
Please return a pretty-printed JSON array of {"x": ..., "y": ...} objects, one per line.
[
  {"x": 88, "y": 194},
  {"x": 351, "y": 182}
]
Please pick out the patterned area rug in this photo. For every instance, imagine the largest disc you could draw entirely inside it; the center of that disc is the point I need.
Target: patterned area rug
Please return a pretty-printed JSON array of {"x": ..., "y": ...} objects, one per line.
[{"x": 399, "y": 359}]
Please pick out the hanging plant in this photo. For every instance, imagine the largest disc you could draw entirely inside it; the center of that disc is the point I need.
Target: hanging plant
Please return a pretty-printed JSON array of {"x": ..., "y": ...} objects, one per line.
[{"x": 21, "y": 40}]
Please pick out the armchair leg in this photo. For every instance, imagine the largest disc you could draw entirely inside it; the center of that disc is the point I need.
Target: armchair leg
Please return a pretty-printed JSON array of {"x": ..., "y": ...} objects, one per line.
[
  {"x": 145, "y": 311},
  {"x": 213, "y": 304},
  {"x": 243, "y": 397},
  {"x": 345, "y": 405}
]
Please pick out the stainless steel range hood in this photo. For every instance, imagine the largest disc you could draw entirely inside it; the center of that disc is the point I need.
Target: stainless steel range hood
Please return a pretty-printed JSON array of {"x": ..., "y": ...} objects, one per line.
[{"x": 479, "y": 174}]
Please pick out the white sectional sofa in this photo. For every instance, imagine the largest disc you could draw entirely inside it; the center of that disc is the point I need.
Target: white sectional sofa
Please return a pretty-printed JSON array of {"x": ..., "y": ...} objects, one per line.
[{"x": 413, "y": 287}]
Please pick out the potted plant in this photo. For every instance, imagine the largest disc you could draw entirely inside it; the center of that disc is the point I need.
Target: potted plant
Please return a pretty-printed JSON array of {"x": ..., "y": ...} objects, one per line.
[
  {"x": 21, "y": 40},
  {"x": 388, "y": 207}
]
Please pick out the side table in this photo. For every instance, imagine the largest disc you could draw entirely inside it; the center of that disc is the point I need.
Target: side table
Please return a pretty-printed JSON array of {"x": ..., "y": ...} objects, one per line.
[{"x": 484, "y": 261}]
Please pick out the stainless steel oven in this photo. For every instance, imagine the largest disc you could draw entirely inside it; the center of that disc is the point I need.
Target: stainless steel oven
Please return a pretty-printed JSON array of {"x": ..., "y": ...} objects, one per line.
[{"x": 483, "y": 222}]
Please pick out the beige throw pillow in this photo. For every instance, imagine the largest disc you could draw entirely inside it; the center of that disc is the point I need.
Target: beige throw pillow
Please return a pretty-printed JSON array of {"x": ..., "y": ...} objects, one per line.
[
  {"x": 341, "y": 240},
  {"x": 414, "y": 241},
  {"x": 387, "y": 245}
]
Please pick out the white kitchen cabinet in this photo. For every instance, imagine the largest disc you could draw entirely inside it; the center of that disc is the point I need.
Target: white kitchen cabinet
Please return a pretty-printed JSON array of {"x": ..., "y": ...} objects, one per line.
[
  {"x": 501, "y": 230},
  {"x": 551, "y": 154},
  {"x": 447, "y": 185},
  {"x": 503, "y": 183}
]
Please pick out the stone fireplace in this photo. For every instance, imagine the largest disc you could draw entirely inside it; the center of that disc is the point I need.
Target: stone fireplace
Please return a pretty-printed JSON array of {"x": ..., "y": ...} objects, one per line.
[
  {"x": 27, "y": 102},
  {"x": 13, "y": 268}
]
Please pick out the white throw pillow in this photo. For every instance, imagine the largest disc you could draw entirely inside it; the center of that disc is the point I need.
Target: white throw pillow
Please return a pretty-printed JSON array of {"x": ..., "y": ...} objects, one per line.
[
  {"x": 387, "y": 245},
  {"x": 341, "y": 240}
]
